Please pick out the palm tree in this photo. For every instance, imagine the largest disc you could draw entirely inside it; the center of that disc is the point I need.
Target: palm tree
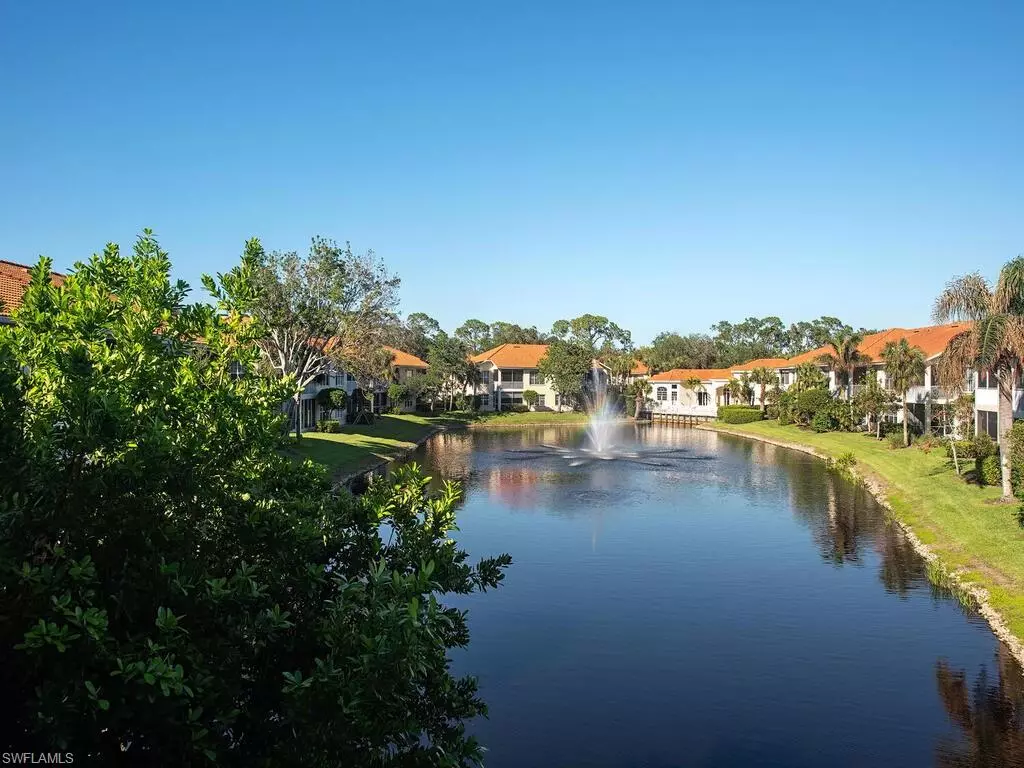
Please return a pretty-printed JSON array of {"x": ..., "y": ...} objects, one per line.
[
  {"x": 904, "y": 366},
  {"x": 808, "y": 376},
  {"x": 640, "y": 391},
  {"x": 994, "y": 342},
  {"x": 845, "y": 358},
  {"x": 764, "y": 378}
]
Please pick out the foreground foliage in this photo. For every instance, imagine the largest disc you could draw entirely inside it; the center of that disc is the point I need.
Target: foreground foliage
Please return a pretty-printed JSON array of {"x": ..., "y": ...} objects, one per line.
[{"x": 176, "y": 591}]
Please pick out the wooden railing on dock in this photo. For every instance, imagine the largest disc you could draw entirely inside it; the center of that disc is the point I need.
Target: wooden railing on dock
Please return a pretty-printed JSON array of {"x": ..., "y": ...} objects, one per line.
[{"x": 680, "y": 419}]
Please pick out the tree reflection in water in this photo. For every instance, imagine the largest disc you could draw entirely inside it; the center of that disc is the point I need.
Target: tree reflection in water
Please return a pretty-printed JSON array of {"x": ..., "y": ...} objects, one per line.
[{"x": 989, "y": 714}]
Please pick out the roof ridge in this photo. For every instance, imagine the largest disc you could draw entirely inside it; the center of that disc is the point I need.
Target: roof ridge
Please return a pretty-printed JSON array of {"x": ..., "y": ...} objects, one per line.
[{"x": 28, "y": 266}]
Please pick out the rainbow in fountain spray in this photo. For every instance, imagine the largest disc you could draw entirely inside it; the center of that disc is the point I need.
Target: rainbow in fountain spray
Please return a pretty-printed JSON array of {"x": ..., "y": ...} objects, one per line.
[{"x": 604, "y": 426}]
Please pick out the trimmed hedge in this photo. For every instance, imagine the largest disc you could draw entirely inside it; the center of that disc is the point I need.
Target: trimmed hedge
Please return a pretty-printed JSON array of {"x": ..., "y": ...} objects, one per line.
[
  {"x": 739, "y": 414},
  {"x": 328, "y": 425},
  {"x": 988, "y": 471}
]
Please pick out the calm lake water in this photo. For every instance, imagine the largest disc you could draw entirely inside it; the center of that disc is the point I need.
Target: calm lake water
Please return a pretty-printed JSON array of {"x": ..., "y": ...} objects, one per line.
[{"x": 742, "y": 606}]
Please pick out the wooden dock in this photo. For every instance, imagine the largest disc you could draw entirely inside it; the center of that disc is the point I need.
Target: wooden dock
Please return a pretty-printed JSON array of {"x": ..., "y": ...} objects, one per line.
[{"x": 678, "y": 419}]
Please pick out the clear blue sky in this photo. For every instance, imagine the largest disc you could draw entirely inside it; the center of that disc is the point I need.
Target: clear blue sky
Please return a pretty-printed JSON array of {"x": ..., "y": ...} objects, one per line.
[{"x": 665, "y": 164}]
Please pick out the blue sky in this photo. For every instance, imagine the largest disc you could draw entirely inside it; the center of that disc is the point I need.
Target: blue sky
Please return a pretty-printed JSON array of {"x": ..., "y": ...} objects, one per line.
[{"x": 665, "y": 164}]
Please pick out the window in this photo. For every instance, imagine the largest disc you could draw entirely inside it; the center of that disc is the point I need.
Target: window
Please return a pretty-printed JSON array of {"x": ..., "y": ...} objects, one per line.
[
  {"x": 509, "y": 400},
  {"x": 785, "y": 378},
  {"x": 675, "y": 395},
  {"x": 703, "y": 398},
  {"x": 662, "y": 394},
  {"x": 235, "y": 370},
  {"x": 987, "y": 380},
  {"x": 485, "y": 378},
  {"x": 540, "y": 401},
  {"x": 512, "y": 376},
  {"x": 485, "y": 401},
  {"x": 988, "y": 421},
  {"x": 535, "y": 378}
]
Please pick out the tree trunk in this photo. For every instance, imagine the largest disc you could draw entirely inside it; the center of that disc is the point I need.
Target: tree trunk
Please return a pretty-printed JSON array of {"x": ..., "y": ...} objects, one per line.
[
  {"x": 1005, "y": 423},
  {"x": 298, "y": 416},
  {"x": 956, "y": 460},
  {"x": 906, "y": 423},
  {"x": 639, "y": 405}
]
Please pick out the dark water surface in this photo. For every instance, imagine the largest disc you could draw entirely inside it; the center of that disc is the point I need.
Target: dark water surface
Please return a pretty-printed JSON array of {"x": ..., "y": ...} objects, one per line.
[{"x": 751, "y": 609}]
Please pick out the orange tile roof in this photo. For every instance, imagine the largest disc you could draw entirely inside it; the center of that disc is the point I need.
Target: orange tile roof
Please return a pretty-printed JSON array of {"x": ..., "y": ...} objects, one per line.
[
  {"x": 762, "y": 362},
  {"x": 682, "y": 374},
  {"x": 931, "y": 339},
  {"x": 640, "y": 369},
  {"x": 14, "y": 279},
  {"x": 513, "y": 355},
  {"x": 406, "y": 359}
]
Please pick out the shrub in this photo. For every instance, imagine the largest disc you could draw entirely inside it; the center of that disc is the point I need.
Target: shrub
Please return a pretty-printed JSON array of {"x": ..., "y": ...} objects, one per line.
[
  {"x": 739, "y": 414},
  {"x": 332, "y": 398},
  {"x": 1017, "y": 457},
  {"x": 824, "y": 421},
  {"x": 397, "y": 395},
  {"x": 530, "y": 397},
  {"x": 987, "y": 470},
  {"x": 984, "y": 446},
  {"x": 174, "y": 583},
  {"x": 328, "y": 425},
  {"x": 964, "y": 449},
  {"x": 896, "y": 439},
  {"x": 808, "y": 403},
  {"x": 844, "y": 462},
  {"x": 515, "y": 408}
]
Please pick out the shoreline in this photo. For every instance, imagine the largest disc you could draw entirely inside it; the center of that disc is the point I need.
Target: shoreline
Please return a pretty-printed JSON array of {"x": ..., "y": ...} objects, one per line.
[
  {"x": 366, "y": 474},
  {"x": 879, "y": 489}
]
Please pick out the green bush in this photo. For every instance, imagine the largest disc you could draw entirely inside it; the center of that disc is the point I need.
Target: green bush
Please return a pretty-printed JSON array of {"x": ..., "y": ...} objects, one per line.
[
  {"x": 844, "y": 462},
  {"x": 964, "y": 449},
  {"x": 984, "y": 446},
  {"x": 328, "y": 425},
  {"x": 987, "y": 470},
  {"x": 824, "y": 421},
  {"x": 809, "y": 402},
  {"x": 176, "y": 588},
  {"x": 896, "y": 439},
  {"x": 1017, "y": 457},
  {"x": 739, "y": 414}
]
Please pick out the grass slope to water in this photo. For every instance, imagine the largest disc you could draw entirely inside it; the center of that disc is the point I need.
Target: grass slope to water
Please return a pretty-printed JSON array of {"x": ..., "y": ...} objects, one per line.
[
  {"x": 358, "y": 448},
  {"x": 960, "y": 523}
]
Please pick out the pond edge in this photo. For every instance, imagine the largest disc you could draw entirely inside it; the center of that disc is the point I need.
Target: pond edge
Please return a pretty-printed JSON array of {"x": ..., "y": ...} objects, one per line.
[{"x": 937, "y": 571}]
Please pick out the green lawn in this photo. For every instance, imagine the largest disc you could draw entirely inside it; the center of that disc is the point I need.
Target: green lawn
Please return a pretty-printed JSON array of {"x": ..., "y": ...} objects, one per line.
[
  {"x": 960, "y": 523},
  {"x": 361, "y": 447}
]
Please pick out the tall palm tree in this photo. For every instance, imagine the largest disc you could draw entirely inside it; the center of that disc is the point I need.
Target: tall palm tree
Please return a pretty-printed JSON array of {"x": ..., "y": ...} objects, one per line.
[
  {"x": 764, "y": 378},
  {"x": 904, "y": 366},
  {"x": 993, "y": 343},
  {"x": 845, "y": 358}
]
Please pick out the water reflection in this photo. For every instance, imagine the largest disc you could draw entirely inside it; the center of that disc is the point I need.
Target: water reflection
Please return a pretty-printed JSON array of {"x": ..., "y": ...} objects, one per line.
[
  {"x": 754, "y": 610},
  {"x": 989, "y": 713}
]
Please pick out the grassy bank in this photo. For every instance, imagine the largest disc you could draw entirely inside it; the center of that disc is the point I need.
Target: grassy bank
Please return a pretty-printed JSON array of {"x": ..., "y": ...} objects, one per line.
[
  {"x": 961, "y": 524},
  {"x": 359, "y": 448}
]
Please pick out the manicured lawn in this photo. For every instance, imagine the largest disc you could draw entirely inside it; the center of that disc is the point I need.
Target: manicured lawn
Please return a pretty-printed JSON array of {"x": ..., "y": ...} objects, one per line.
[
  {"x": 360, "y": 447},
  {"x": 959, "y": 522},
  {"x": 531, "y": 417}
]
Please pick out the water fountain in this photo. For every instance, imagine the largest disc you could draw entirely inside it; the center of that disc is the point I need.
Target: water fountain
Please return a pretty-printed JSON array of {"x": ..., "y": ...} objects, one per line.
[{"x": 604, "y": 425}]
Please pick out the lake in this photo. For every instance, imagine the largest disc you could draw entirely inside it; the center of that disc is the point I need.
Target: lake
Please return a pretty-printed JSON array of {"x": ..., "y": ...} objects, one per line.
[{"x": 736, "y": 604}]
